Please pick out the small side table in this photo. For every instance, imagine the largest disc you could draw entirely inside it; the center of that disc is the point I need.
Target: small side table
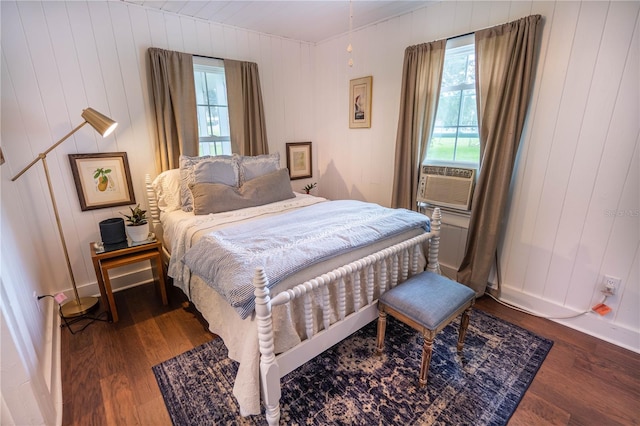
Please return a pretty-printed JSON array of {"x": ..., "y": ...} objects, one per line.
[{"x": 105, "y": 260}]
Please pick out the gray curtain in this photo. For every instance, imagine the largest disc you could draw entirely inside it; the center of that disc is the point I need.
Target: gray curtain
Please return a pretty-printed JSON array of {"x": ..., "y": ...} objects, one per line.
[
  {"x": 505, "y": 63},
  {"x": 174, "y": 99},
  {"x": 246, "y": 113},
  {"x": 421, "y": 76}
]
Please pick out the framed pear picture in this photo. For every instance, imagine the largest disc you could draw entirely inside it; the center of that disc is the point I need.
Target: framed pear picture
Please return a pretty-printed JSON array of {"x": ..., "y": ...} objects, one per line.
[
  {"x": 102, "y": 180},
  {"x": 360, "y": 103}
]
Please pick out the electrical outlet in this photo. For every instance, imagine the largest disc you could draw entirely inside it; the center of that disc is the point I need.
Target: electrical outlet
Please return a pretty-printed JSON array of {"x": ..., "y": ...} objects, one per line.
[{"x": 610, "y": 285}]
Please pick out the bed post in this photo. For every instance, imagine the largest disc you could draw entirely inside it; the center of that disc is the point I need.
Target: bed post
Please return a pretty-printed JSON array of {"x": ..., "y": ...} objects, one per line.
[
  {"x": 434, "y": 242},
  {"x": 151, "y": 199},
  {"x": 269, "y": 370}
]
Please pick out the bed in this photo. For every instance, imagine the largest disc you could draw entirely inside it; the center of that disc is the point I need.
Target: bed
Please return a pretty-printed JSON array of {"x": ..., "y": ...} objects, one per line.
[{"x": 279, "y": 276}]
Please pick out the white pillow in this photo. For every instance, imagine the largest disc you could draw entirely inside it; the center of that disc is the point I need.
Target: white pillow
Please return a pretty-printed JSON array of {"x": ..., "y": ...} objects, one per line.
[
  {"x": 221, "y": 169},
  {"x": 167, "y": 188},
  {"x": 252, "y": 167}
]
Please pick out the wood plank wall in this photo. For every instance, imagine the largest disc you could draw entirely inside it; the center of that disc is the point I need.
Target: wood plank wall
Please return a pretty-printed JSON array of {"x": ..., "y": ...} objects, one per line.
[{"x": 573, "y": 215}]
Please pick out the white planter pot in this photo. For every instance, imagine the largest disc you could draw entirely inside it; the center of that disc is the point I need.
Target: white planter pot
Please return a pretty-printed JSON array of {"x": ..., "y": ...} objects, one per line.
[{"x": 138, "y": 233}]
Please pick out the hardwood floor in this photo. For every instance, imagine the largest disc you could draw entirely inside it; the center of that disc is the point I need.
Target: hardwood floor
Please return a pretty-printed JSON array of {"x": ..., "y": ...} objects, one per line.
[{"x": 107, "y": 377}]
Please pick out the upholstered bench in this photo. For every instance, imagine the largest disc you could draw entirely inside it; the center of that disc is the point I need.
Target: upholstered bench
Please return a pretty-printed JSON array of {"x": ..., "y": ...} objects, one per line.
[{"x": 426, "y": 302}]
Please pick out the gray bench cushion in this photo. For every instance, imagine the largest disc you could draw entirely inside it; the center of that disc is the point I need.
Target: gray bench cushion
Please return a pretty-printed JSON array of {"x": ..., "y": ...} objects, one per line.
[{"x": 428, "y": 298}]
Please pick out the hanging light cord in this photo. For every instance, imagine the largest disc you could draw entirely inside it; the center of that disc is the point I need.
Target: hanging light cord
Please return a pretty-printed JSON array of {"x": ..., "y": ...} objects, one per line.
[{"x": 349, "y": 47}]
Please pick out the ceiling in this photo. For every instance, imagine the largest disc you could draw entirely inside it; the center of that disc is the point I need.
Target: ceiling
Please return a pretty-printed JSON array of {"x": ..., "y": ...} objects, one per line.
[{"x": 310, "y": 21}]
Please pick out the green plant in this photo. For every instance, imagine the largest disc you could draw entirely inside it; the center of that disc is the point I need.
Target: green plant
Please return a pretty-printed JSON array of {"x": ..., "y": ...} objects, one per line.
[
  {"x": 309, "y": 187},
  {"x": 137, "y": 216}
]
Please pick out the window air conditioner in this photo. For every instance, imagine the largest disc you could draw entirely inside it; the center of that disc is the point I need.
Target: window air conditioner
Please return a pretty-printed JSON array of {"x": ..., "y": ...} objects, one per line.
[{"x": 446, "y": 186}]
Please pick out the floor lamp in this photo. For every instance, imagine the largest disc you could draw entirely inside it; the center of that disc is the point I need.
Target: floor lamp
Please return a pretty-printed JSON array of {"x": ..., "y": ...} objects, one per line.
[{"x": 103, "y": 125}]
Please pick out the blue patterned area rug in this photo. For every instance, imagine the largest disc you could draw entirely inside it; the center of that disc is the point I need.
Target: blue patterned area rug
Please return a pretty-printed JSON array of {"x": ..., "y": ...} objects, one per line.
[{"x": 349, "y": 385}]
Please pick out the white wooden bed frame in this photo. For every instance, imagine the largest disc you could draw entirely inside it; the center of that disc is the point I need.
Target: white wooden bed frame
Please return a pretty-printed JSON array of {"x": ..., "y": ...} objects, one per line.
[{"x": 391, "y": 266}]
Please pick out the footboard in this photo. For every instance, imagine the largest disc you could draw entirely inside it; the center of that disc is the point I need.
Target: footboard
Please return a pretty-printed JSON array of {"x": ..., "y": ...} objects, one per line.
[{"x": 390, "y": 266}]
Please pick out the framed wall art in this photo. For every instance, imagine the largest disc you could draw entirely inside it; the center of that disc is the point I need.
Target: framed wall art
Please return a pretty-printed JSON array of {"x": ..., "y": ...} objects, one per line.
[
  {"x": 299, "y": 160},
  {"x": 102, "y": 180},
  {"x": 360, "y": 102}
]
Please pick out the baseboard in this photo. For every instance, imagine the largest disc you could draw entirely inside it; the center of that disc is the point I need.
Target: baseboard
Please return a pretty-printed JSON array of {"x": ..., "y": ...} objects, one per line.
[
  {"x": 449, "y": 271},
  {"x": 56, "y": 359},
  {"x": 122, "y": 281},
  {"x": 590, "y": 323}
]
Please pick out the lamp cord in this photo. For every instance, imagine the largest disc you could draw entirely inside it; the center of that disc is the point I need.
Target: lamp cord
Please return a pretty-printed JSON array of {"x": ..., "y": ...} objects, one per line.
[
  {"x": 526, "y": 311},
  {"x": 81, "y": 317}
]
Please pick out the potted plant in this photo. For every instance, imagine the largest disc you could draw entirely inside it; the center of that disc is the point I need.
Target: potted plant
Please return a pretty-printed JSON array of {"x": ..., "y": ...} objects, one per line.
[
  {"x": 137, "y": 226},
  {"x": 309, "y": 187}
]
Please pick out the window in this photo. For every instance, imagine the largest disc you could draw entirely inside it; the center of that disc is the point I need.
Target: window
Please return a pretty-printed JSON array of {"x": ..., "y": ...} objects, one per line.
[
  {"x": 211, "y": 103},
  {"x": 455, "y": 139}
]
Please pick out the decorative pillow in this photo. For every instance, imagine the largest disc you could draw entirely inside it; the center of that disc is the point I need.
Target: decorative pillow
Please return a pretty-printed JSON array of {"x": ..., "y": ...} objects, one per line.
[
  {"x": 220, "y": 169},
  {"x": 167, "y": 188},
  {"x": 253, "y": 166},
  {"x": 216, "y": 198}
]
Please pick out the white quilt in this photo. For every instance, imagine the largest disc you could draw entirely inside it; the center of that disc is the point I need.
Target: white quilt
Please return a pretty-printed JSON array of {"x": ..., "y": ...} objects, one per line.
[
  {"x": 286, "y": 243},
  {"x": 184, "y": 229}
]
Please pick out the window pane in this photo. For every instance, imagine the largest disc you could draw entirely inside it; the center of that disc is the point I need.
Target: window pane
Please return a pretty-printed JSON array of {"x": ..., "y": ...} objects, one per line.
[
  {"x": 459, "y": 67},
  {"x": 442, "y": 147},
  {"x": 468, "y": 109},
  {"x": 203, "y": 128},
  {"x": 201, "y": 93},
  {"x": 216, "y": 89},
  {"x": 468, "y": 146},
  {"x": 212, "y": 108},
  {"x": 448, "y": 109},
  {"x": 223, "y": 114},
  {"x": 454, "y": 71},
  {"x": 455, "y": 134}
]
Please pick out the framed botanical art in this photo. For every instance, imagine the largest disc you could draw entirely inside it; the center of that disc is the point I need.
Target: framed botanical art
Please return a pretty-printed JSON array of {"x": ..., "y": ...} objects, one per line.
[
  {"x": 360, "y": 102},
  {"x": 102, "y": 180},
  {"x": 299, "y": 160}
]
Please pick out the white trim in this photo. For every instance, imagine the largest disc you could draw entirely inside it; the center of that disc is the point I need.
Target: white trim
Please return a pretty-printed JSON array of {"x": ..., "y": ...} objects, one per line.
[
  {"x": 590, "y": 323},
  {"x": 118, "y": 282}
]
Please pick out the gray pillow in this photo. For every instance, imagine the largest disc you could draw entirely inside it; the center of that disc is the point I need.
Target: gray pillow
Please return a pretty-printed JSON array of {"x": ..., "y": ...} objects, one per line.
[
  {"x": 217, "y": 169},
  {"x": 253, "y": 166},
  {"x": 216, "y": 198}
]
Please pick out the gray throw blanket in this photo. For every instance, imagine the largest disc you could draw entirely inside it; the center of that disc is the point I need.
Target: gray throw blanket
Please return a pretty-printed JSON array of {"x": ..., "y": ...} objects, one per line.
[{"x": 289, "y": 242}]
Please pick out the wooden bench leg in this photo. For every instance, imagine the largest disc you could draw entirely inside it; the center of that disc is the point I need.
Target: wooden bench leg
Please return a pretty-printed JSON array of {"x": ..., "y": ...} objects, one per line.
[
  {"x": 382, "y": 327},
  {"x": 427, "y": 350},
  {"x": 464, "y": 323}
]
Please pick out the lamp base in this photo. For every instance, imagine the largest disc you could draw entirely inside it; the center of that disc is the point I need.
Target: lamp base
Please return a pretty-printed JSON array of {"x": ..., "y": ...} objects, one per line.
[{"x": 73, "y": 309}]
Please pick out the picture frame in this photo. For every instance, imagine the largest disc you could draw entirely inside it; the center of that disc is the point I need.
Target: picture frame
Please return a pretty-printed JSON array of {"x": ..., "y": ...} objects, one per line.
[
  {"x": 299, "y": 160},
  {"x": 360, "y": 90},
  {"x": 102, "y": 180}
]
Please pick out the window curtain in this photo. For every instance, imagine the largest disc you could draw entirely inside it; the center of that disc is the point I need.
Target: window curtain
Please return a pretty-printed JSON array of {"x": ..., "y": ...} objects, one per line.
[
  {"x": 505, "y": 63},
  {"x": 421, "y": 76},
  {"x": 246, "y": 113},
  {"x": 174, "y": 100}
]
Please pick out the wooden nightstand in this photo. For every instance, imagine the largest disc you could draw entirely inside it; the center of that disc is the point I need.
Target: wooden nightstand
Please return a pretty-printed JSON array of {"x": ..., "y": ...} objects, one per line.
[{"x": 105, "y": 260}]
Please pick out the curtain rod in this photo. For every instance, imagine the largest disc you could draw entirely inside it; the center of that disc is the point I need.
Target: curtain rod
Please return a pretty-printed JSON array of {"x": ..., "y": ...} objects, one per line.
[
  {"x": 492, "y": 26},
  {"x": 209, "y": 57},
  {"x": 462, "y": 35}
]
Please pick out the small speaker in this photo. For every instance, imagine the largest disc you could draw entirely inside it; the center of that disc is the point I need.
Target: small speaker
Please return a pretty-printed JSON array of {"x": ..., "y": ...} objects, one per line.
[{"x": 112, "y": 231}]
